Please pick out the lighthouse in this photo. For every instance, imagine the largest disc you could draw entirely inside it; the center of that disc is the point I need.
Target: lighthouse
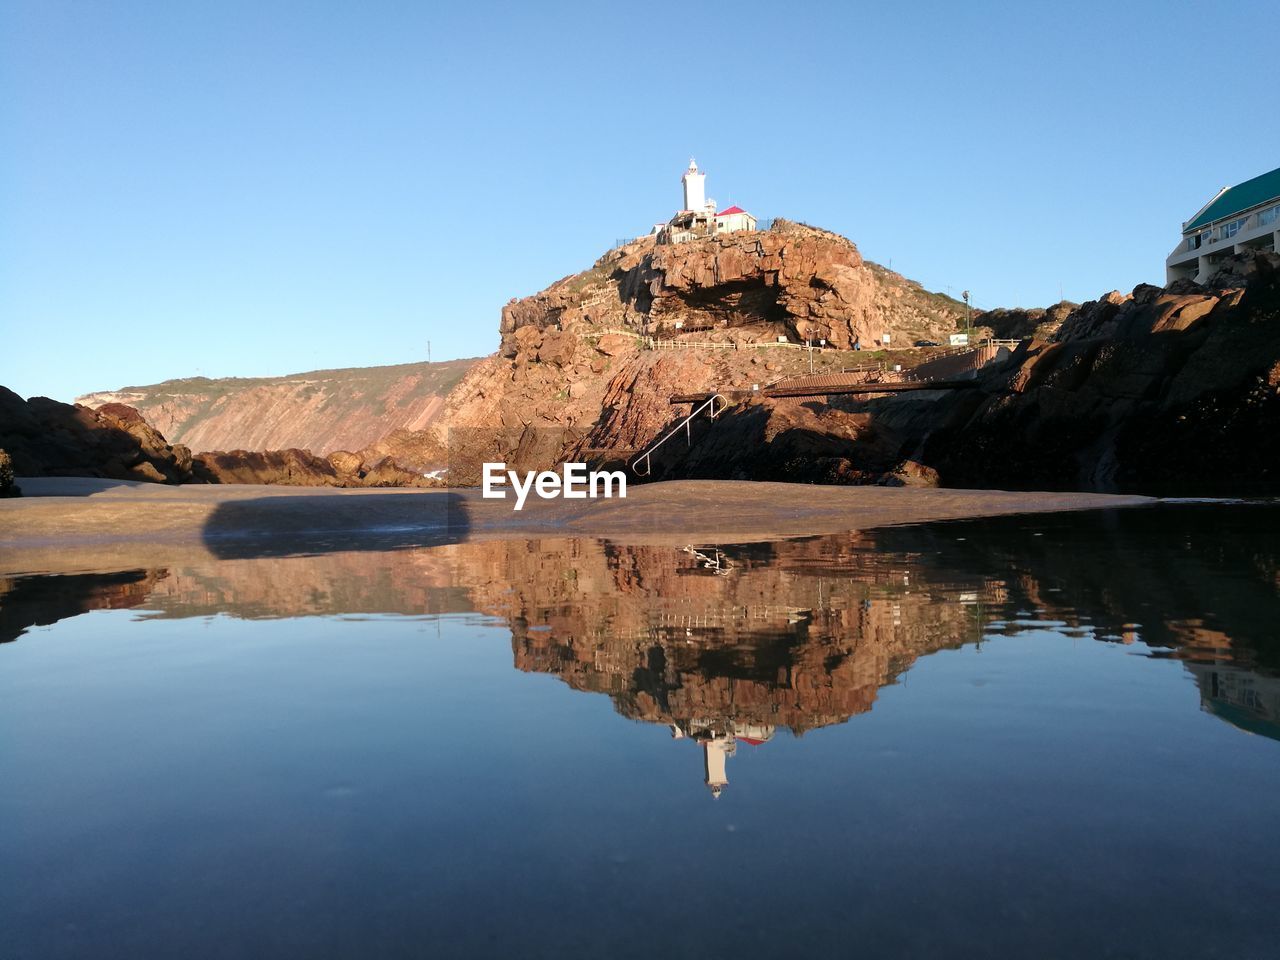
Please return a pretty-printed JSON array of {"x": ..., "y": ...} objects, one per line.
[
  {"x": 698, "y": 217},
  {"x": 695, "y": 190}
]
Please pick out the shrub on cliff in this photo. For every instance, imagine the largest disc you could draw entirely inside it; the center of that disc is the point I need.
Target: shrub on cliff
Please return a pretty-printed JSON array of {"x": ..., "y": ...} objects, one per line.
[{"x": 7, "y": 487}]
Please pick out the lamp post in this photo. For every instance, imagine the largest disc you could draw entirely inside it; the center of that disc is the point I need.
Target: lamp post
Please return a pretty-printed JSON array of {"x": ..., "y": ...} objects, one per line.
[{"x": 968, "y": 333}]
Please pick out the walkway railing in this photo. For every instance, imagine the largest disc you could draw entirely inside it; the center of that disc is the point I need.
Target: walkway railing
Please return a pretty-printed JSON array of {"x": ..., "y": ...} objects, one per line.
[
  {"x": 686, "y": 424},
  {"x": 655, "y": 344}
]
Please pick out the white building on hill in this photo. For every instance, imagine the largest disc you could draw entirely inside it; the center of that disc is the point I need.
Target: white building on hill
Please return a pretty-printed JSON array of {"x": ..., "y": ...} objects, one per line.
[
  {"x": 698, "y": 216},
  {"x": 694, "y": 182},
  {"x": 1246, "y": 216},
  {"x": 734, "y": 218}
]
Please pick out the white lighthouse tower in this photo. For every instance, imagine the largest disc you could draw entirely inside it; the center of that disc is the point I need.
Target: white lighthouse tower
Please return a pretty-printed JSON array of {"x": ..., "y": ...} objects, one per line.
[{"x": 695, "y": 189}]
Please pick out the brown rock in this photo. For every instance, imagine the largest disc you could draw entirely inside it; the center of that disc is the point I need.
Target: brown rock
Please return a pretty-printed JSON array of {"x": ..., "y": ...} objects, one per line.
[
  {"x": 557, "y": 348},
  {"x": 912, "y": 474},
  {"x": 791, "y": 279},
  {"x": 613, "y": 344},
  {"x": 47, "y": 438},
  {"x": 346, "y": 463},
  {"x": 146, "y": 471}
]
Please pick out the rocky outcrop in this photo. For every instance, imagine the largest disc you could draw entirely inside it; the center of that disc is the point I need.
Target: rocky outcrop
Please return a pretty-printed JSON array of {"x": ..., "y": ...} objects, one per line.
[
  {"x": 47, "y": 438},
  {"x": 1173, "y": 390},
  {"x": 577, "y": 375},
  {"x": 1164, "y": 391},
  {"x": 792, "y": 280},
  {"x": 322, "y": 411},
  {"x": 802, "y": 441},
  {"x": 1019, "y": 323},
  {"x": 301, "y": 468}
]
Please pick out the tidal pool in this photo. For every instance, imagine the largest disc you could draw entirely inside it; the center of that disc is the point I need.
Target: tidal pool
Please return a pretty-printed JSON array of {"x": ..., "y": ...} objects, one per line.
[{"x": 1034, "y": 736}]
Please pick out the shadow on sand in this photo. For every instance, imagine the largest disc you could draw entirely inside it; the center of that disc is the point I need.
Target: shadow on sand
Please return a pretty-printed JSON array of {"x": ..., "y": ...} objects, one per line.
[{"x": 282, "y": 526}]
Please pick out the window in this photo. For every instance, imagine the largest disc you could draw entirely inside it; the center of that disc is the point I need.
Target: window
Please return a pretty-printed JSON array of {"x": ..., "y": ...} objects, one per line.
[
  {"x": 1269, "y": 216},
  {"x": 1194, "y": 241},
  {"x": 1231, "y": 229}
]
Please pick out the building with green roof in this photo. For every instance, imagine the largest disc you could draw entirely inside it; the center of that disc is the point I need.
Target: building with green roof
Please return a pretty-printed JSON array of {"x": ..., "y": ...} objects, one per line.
[{"x": 1246, "y": 216}]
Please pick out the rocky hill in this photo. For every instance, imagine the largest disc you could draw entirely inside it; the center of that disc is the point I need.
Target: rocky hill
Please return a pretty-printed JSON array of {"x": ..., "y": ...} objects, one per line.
[
  {"x": 792, "y": 280},
  {"x": 321, "y": 411},
  {"x": 1162, "y": 391},
  {"x": 585, "y": 368},
  {"x": 588, "y": 365},
  {"x": 43, "y": 437}
]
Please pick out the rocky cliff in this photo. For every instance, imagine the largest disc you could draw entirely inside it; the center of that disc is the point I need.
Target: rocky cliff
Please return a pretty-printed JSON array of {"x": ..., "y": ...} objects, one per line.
[
  {"x": 792, "y": 280},
  {"x": 1159, "y": 390},
  {"x": 1173, "y": 390},
  {"x": 43, "y": 437},
  {"x": 587, "y": 367},
  {"x": 48, "y": 438},
  {"x": 321, "y": 411}
]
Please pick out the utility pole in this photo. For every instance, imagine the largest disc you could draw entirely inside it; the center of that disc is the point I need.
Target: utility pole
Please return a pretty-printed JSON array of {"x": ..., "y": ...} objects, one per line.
[
  {"x": 428, "y": 351},
  {"x": 968, "y": 332}
]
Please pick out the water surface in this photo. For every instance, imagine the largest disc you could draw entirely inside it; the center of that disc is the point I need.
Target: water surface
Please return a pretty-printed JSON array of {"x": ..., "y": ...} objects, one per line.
[{"x": 1050, "y": 736}]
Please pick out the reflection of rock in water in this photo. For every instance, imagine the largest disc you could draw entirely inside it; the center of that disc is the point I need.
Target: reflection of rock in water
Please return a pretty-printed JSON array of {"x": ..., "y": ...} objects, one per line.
[
  {"x": 728, "y": 645},
  {"x": 793, "y": 635},
  {"x": 1242, "y": 698},
  {"x": 40, "y": 601}
]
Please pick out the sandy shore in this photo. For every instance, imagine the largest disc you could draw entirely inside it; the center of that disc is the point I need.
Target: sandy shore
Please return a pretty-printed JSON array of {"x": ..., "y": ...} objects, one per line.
[{"x": 73, "y": 524}]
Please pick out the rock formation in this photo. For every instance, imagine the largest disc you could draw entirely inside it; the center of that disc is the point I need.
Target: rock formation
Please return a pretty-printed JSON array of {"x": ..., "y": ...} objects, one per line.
[
  {"x": 1172, "y": 390},
  {"x": 575, "y": 375},
  {"x": 302, "y": 468},
  {"x": 792, "y": 280},
  {"x": 46, "y": 438},
  {"x": 1019, "y": 323},
  {"x": 321, "y": 411}
]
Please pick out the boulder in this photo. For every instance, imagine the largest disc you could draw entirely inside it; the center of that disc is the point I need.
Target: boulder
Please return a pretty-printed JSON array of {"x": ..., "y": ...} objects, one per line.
[
  {"x": 613, "y": 344},
  {"x": 557, "y": 348},
  {"x": 345, "y": 463}
]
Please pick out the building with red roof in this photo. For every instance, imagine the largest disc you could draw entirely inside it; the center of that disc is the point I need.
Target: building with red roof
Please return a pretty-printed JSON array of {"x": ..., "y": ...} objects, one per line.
[{"x": 734, "y": 218}]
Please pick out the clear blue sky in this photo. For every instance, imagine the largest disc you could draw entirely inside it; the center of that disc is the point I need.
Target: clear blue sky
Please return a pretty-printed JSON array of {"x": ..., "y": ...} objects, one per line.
[{"x": 249, "y": 188}]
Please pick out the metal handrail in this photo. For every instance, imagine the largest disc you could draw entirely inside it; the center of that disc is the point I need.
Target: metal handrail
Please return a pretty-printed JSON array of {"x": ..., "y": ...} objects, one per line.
[{"x": 685, "y": 423}]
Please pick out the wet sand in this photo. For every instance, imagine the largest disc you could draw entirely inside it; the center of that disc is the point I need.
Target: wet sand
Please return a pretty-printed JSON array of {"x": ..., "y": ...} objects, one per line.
[{"x": 66, "y": 525}]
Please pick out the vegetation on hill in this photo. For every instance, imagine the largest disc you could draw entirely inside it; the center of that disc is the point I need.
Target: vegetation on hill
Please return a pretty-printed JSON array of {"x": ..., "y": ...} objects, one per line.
[{"x": 320, "y": 410}]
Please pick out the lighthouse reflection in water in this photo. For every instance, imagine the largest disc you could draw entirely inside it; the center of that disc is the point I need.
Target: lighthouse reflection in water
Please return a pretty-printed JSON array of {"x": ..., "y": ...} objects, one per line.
[{"x": 719, "y": 742}]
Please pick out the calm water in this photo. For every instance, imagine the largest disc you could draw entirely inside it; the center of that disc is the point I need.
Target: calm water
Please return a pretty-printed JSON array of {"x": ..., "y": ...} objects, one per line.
[{"x": 1025, "y": 737}]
